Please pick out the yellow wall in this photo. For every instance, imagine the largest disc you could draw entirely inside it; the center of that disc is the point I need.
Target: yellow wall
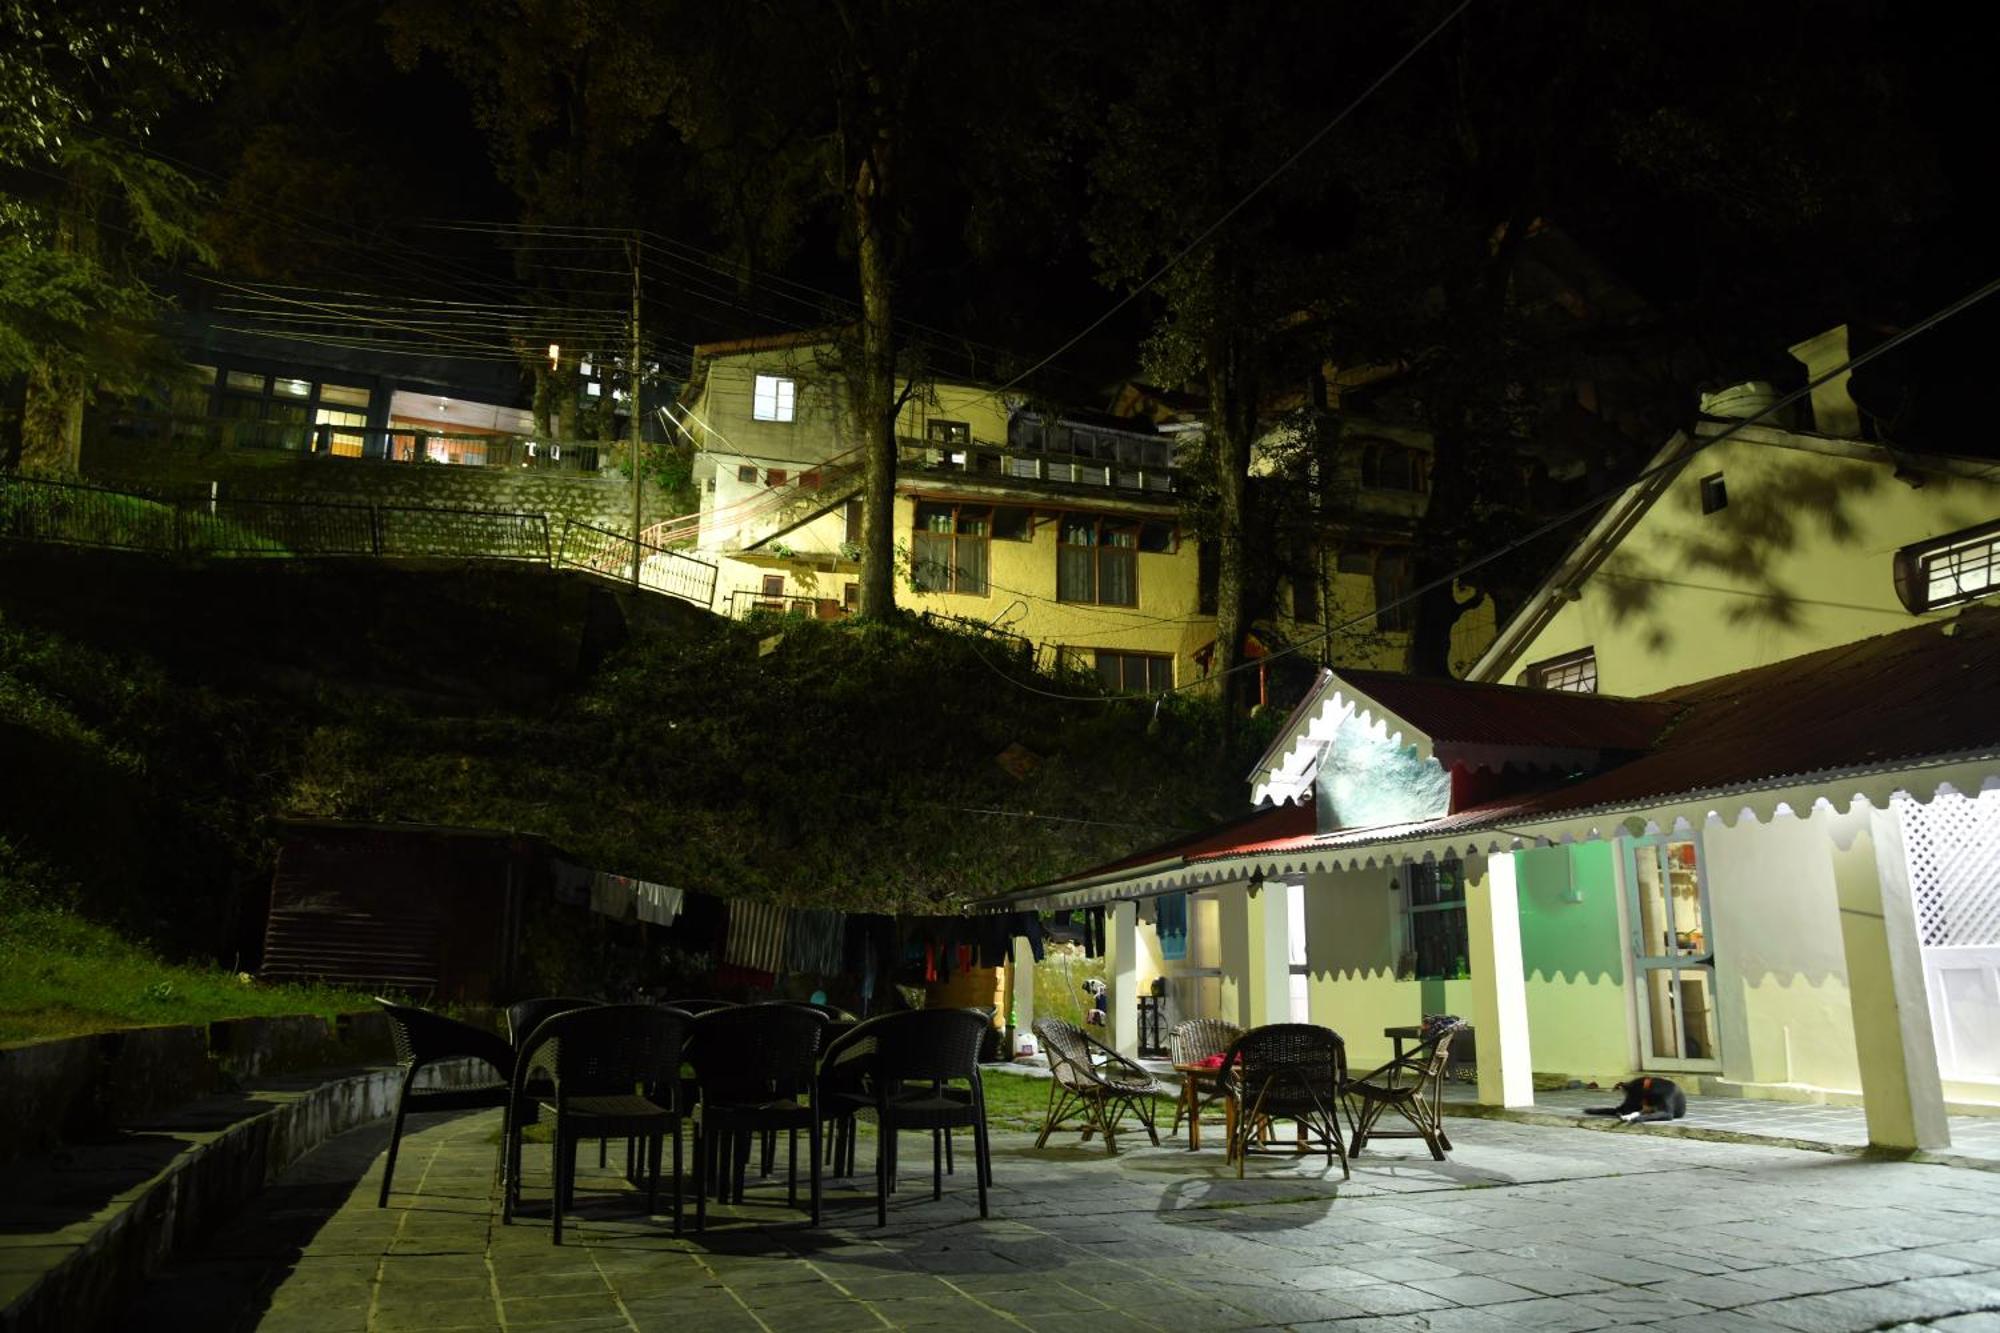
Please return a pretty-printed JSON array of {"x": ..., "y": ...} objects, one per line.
[
  {"x": 1800, "y": 559},
  {"x": 1353, "y": 934},
  {"x": 1781, "y": 969}
]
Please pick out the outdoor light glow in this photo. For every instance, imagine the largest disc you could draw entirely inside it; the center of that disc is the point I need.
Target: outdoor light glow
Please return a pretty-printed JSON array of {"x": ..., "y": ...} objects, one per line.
[{"x": 555, "y": 355}]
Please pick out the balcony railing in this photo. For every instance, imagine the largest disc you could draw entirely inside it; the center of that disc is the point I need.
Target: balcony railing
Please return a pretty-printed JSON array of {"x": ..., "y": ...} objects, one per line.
[
  {"x": 987, "y": 462},
  {"x": 396, "y": 445}
]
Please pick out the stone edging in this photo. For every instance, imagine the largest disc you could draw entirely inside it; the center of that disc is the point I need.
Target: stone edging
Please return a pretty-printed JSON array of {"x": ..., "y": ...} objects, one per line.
[{"x": 204, "y": 1185}]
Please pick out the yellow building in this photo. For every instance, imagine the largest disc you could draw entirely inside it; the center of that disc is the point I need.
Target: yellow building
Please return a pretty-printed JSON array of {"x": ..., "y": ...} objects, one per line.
[{"x": 1061, "y": 529}]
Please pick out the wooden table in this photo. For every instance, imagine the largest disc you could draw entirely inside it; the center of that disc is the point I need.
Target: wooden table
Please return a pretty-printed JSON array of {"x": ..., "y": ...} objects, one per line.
[
  {"x": 1192, "y": 1078},
  {"x": 1414, "y": 1034}
]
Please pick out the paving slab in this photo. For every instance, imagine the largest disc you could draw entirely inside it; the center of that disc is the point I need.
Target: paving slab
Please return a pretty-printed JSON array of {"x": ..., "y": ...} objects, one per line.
[{"x": 1527, "y": 1227}]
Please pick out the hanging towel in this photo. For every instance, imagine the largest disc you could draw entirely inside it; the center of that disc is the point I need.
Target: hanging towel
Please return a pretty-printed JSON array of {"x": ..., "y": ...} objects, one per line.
[
  {"x": 611, "y": 895},
  {"x": 656, "y": 902},
  {"x": 756, "y": 936},
  {"x": 813, "y": 942},
  {"x": 1173, "y": 926}
]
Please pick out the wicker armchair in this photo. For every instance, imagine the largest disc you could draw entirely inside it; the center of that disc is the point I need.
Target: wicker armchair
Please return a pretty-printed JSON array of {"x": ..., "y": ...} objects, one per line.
[
  {"x": 1192, "y": 1041},
  {"x": 1094, "y": 1081},
  {"x": 613, "y": 1071},
  {"x": 1412, "y": 1087},
  {"x": 755, "y": 1063},
  {"x": 423, "y": 1039},
  {"x": 1288, "y": 1071}
]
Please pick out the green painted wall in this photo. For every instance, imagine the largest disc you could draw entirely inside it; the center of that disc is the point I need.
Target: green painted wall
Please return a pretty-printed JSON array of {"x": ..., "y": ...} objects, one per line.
[{"x": 1574, "y": 958}]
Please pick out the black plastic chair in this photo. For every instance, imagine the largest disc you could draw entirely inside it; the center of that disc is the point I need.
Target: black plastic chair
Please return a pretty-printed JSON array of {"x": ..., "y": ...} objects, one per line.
[
  {"x": 911, "y": 1061},
  {"x": 423, "y": 1039},
  {"x": 613, "y": 1072},
  {"x": 524, "y": 1016},
  {"x": 754, "y": 1063},
  {"x": 1288, "y": 1071},
  {"x": 698, "y": 1007}
]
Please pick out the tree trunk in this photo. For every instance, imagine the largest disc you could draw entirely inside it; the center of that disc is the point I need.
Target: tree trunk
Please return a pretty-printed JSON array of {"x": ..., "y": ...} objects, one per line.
[
  {"x": 872, "y": 382},
  {"x": 52, "y": 405},
  {"x": 1232, "y": 423},
  {"x": 52, "y": 420}
]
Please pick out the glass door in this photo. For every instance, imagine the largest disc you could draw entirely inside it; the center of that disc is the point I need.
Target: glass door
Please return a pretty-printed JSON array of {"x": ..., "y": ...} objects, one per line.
[{"x": 1673, "y": 961}]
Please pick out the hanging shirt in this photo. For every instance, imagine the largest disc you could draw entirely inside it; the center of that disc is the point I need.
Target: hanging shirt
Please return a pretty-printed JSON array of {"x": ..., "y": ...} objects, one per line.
[
  {"x": 656, "y": 902},
  {"x": 611, "y": 895}
]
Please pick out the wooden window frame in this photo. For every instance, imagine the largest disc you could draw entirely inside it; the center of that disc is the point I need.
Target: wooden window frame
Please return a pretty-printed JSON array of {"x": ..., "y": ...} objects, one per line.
[
  {"x": 1100, "y": 525},
  {"x": 1126, "y": 655},
  {"x": 1537, "y": 675},
  {"x": 954, "y": 568},
  {"x": 1913, "y": 568}
]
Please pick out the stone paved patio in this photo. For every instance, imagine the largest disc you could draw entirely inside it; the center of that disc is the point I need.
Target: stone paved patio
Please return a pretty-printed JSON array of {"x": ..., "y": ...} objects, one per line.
[{"x": 1528, "y": 1227}]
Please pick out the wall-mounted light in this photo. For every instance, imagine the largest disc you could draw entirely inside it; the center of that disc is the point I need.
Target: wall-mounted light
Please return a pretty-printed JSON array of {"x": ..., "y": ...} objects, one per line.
[{"x": 555, "y": 356}]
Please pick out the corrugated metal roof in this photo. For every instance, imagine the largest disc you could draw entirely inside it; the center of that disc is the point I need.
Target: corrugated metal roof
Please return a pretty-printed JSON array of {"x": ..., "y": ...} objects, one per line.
[
  {"x": 1923, "y": 692},
  {"x": 1278, "y": 822},
  {"x": 1453, "y": 711},
  {"x": 1927, "y": 692}
]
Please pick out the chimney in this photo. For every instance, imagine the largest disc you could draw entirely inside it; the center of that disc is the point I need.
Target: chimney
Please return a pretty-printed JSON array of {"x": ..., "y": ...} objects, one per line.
[{"x": 1834, "y": 413}]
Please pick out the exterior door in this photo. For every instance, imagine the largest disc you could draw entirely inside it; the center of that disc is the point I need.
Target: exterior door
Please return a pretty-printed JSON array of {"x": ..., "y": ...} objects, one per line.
[{"x": 1673, "y": 957}]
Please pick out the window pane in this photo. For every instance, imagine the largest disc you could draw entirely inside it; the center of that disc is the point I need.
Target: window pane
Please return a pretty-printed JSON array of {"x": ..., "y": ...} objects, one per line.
[
  {"x": 1111, "y": 671},
  {"x": 1012, "y": 524},
  {"x": 343, "y": 395},
  {"x": 971, "y": 565},
  {"x": 933, "y": 518},
  {"x": 285, "y": 388},
  {"x": 771, "y": 399},
  {"x": 1076, "y": 577},
  {"x": 1159, "y": 675},
  {"x": 1079, "y": 532},
  {"x": 973, "y": 521},
  {"x": 930, "y": 568},
  {"x": 1118, "y": 575}
]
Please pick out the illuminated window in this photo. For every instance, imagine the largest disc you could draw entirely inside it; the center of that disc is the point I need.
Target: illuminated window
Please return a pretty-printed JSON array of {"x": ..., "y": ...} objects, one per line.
[
  {"x": 1573, "y": 673},
  {"x": 773, "y": 398},
  {"x": 1949, "y": 570},
  {"x": 1097, "y": 561},
  {"x": 947, "y": 432},
  {"x": 949, "y": 552}
]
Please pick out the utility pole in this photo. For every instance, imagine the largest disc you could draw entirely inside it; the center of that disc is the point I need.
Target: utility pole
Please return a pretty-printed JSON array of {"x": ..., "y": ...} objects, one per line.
[{"x": 638, "y": 422}]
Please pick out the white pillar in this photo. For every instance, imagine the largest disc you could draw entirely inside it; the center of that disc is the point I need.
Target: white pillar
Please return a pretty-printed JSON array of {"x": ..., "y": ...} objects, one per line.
[
  {"x": 1267, "y": 984},
  {"x": 1893, "y": 1042},
  {"x": 1499, "y": 990},
  {"x": 1021, "y": 981},
  {"x": 1232, "y": 918},
  {"x": 1121, "y": 972}
]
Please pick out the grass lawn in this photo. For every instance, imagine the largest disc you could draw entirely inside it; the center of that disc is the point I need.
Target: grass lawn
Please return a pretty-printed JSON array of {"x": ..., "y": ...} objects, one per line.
[{"x": 61, "y": 976}]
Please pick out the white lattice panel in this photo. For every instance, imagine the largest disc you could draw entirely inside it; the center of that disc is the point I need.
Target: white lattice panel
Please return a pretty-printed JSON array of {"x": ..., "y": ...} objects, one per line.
[{"x": 1953, "y": 845}]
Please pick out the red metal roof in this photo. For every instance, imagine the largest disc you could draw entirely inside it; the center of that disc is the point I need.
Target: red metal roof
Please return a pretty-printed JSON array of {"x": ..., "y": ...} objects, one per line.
[
  {"x": 1460, "y": 712},
  {"x": 1928, "y": 691}
]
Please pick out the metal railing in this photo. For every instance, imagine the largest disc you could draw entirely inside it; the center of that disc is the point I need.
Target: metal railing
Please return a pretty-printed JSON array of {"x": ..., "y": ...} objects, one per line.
[
  {"x": 998, "y": 464},
  {"x": 600, "y": 551},
  {"x": 741, "y": 603},
  {"x": 396, "y": 445}
]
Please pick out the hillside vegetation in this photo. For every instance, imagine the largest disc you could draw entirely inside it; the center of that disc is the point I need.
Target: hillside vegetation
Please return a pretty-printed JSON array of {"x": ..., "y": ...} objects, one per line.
[{"x": 158, "y": 718}]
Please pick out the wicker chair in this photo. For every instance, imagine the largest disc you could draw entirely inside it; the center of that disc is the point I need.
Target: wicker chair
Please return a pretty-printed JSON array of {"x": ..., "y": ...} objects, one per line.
[
  {"x": 423, "y": 1039},
  {"x": 1419, "y": 1100},
  {"x": 1192, "y": 1041},
  {"x": 754, "y": 1063},
  {"x": 613, "y": 1072},
  {"x": 911, "y": 1060},
  {"x": 1091, "y": 1079},
  {"x": 1288, "y": 1071}
]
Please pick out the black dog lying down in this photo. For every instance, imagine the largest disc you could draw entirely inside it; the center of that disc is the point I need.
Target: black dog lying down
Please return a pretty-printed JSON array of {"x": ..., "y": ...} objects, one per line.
[{"x": 1646, "y": 1099}]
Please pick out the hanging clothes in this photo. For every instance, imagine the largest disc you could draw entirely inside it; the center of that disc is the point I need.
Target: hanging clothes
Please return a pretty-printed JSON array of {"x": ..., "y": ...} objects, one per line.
[
  {"x": 812, "y": 942},
  {"x": 656, "y": 903},
  {"x": 1173, "y": 926},
  {"x": 612, "y": 895},
  {"x": 1094, "y": 933},
  {"x": 756, "y": 936},
  {"x": 1030, "y": 925}
]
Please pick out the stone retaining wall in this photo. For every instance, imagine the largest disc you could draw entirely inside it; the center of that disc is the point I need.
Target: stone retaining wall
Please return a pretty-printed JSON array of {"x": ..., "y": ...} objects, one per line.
[
  {"x": 75, "y": 1089},
  {"x": 176, "y": 470}
]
